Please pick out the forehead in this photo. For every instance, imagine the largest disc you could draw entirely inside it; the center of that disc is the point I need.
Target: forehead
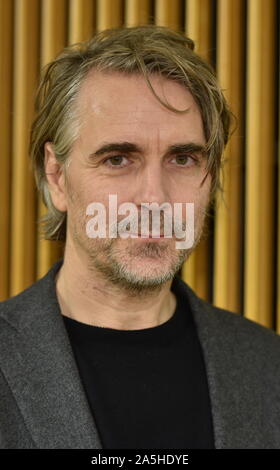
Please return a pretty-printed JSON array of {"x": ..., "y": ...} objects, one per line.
[{"x": 124, "y": 103}]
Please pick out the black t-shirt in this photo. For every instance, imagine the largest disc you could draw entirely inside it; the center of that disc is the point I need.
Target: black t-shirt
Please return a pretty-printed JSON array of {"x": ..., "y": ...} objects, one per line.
[{"x": 147, "y": 389}]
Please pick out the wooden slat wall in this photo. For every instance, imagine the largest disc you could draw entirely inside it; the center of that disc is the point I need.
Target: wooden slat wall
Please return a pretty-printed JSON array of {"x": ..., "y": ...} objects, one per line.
[
  {"x": 228, "y": 217},
  {"x": 6, "y": 62},
  {"x": 168, "y": 13},
  {"x": 278, "y": 212},
  {"x": 198, "y": 26},
  {"x": 236, "y": 267},
  {"x": 23, "y": 207},
  {"x": 53, "y": 39},
  {"x": 109, "y": 14},
  {"x": 260, "y": 169},
  {"x": 137, "y": 12},
  {"x": 81, "y": 20}
]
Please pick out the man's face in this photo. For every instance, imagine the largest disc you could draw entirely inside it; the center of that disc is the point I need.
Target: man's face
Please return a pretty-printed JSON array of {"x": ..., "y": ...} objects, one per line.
[{"x": 154, "y": 167}]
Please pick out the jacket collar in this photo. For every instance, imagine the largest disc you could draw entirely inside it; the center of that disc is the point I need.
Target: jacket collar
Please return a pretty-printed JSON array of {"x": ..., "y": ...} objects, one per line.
[{"x": 233, "y": 364}]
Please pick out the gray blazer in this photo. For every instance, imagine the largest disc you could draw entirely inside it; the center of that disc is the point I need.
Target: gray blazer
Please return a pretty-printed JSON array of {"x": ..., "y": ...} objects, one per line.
[{"x": 43, "y": 403}]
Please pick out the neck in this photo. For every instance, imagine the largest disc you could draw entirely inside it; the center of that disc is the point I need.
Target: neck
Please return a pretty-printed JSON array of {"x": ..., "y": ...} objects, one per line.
[{"x": 86, "y": 296}]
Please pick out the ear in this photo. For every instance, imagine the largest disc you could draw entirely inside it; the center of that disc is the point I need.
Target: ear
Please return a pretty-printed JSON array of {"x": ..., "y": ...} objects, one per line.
[{"x": 55, "y": 177}]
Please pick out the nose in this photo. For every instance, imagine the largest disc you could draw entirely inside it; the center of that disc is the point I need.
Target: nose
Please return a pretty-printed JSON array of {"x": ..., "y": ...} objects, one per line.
[{"x": 151, "y": 185}]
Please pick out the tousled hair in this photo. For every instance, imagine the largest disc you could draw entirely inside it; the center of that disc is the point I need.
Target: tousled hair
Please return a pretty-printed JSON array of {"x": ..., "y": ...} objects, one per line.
[{"x": 143, "y": 50}]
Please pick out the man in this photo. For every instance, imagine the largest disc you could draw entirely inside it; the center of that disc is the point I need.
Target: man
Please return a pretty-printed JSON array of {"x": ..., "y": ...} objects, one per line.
[{"x": 111, "y": 349}]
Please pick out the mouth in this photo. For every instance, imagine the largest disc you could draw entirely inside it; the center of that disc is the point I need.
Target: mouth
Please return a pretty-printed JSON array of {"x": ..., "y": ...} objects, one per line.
[{"x": 148, "y": 236}]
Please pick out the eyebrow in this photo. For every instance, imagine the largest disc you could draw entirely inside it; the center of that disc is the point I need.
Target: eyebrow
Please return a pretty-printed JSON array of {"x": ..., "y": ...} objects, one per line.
[{"x": 129, "y": 147}]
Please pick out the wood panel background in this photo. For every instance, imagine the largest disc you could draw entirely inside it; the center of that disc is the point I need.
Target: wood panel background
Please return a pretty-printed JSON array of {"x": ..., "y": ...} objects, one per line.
[{"x": 238, "y": 266}]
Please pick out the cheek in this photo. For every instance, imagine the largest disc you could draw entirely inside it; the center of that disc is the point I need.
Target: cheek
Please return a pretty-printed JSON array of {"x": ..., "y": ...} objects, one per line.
[
  {"x": 201, "y": 197},
  {"x": 192, "y": 194},
  {"x": 76, "y": 195},
  {"x": 78, "y": 187}
]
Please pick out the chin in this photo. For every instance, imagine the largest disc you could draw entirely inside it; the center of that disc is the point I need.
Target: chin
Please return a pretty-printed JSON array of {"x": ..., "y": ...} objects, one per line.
[{"x": 149, "y": 271}]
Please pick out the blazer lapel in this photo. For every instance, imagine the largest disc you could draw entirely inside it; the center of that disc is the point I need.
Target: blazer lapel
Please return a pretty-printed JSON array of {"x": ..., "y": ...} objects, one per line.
[
  {"x": 236, "y": 407},
  {"x": 41, "y": 371}
]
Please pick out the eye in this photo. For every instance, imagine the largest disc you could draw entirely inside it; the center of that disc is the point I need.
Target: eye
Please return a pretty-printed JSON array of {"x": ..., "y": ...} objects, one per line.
[
  {"x": 115, "y": 161},
  {"x": 185, "y": 160}
]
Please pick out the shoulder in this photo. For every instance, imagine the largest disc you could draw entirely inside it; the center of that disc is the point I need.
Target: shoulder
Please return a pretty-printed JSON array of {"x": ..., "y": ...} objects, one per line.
[
  {"x": 20, "y": 309},
  {"x": 231, "y": 332},
  {"x": 242, "y": 327}
]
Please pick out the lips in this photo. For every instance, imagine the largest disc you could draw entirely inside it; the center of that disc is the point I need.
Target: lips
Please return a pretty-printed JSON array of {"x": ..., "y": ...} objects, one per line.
[
  {"x": 149, "y": 235},
  {"x": 146, "y": 235}
]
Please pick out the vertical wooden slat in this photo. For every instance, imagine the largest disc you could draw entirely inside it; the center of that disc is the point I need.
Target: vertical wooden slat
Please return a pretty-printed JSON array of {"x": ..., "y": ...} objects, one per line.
[
  {"x": 53, "y": 29},
  {"x": 23, "y": 233},
  {"x": 81, "y": 20},
  {"x": 259, "y": 224},
  {"x": 195, "y": 271},
  {"x": 6, "y": 44},
  {"x": 168, "y": 13},
  {"x": 109, "y": 14},
  {"x": 53, "y": 39},
  {"x": 136, "y": 12},
  {"x": 228, "y": 233},
  {"x": 278, "y": 234},
  {"x": 198, "y": 25}
]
